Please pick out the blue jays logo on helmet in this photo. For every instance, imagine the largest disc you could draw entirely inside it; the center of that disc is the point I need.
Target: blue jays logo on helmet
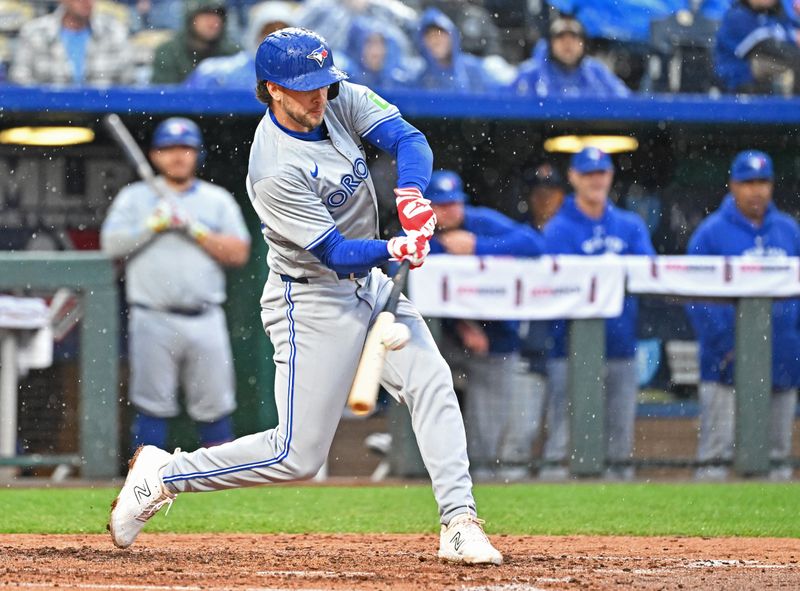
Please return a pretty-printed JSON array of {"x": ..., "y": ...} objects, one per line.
[
  {"x": 298, "y": 59},
  {"x": 177, "y": 131},
  {"x": 319, "y": 55}
]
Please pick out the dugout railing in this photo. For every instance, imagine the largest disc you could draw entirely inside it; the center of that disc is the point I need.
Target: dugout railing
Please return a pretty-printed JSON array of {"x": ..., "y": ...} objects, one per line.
[{"x": 92, "y": 276}]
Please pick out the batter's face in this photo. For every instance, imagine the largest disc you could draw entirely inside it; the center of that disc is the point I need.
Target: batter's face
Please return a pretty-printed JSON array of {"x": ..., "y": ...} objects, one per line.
[
  {"x": 298, "y": 110},
  {"x": 177, "y": 163},
  {"x": 752, "y": 198},
  {"x": 449, "y": 216},
  {"x": 591, "y": 188}
]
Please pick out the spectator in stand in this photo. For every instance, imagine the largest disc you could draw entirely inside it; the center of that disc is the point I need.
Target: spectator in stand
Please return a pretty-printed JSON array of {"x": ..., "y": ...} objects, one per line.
[
  {"x": 446, "y": 67},
  {"x": 493, "y": 363},
  {"x": 376, "y": 58},
  {"x": 239, "y": 70},
  {"x": 74, "y": 45},
  {"x": 479, "y": 34},
  {"x": 560, "y": 67},
  {"x": 746, "y": 224},
  {"x": 333, "y": 20},
  {"x": 203, "y": 36},
  {"x": 758, "y": 49},
  {"x": 588, "y": 224}
]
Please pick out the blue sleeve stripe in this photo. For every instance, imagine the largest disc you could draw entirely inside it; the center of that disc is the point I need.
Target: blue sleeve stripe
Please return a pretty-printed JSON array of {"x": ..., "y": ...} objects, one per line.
[
  {"x": 320, "y": 238},
  {"x": 372, "y": 127}
]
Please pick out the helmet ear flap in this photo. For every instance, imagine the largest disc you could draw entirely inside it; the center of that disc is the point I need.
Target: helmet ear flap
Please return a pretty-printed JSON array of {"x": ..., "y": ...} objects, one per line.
[{"x": 333, "y": 91}]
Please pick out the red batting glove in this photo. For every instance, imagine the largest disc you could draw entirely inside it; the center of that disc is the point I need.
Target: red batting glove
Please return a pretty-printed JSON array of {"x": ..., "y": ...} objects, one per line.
[
  {"x": 412, "y": 248},
  {"x": 415, "y": 211}
]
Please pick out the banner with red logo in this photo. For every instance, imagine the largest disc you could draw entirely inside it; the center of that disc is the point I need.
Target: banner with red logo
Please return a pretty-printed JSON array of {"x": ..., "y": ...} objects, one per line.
[
  {"x": 714, "y": 276},
  {"x": 505, "y": 288}
]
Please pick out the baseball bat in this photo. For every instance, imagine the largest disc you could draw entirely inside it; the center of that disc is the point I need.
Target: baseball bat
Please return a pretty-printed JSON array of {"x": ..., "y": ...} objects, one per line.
[
  {"x": 364, "y": 391},
  {"x": 134, "y": 153}
]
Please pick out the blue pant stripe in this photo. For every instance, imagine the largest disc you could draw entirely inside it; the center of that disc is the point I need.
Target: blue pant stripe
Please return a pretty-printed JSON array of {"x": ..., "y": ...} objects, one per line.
[{"x": 285, "y": 451}]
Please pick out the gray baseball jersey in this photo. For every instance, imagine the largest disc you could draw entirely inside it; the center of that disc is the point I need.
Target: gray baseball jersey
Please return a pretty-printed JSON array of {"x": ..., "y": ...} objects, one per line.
[
  {"x": 302, "y": 190},
  {"x": 170, "y": 271}
]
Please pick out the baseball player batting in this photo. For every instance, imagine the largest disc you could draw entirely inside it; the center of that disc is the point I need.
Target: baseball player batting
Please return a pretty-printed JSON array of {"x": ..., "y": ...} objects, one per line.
[{"x": 309, "y": 182}]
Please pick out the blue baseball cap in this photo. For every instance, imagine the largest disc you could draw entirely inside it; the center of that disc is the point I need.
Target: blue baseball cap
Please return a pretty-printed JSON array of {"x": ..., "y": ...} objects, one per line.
[
  {"x": 591, "y": 160},
  {"x": 445, "y": 187},
  {"x": 177, "y": 131},
  {"x": 751, "y": 165}
]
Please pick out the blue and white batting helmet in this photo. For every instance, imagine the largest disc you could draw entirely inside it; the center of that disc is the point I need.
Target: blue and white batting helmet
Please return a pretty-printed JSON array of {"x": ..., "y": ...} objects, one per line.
[
  {"x": 177, "y": 131},
  {"x": 298, "y": 59}
]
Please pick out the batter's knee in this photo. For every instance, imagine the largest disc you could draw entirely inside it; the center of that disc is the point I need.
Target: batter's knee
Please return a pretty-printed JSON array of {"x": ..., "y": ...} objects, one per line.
[{"x": 304, "y": 468}]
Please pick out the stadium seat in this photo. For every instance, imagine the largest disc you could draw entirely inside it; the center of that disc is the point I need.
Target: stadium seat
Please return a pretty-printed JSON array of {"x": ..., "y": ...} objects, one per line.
[
  {"x": 682, "y": 53},
  {"x": 14, "y": 14},
  {"x": 144, "y": 45},
  {"x": 118, "y": 11}
]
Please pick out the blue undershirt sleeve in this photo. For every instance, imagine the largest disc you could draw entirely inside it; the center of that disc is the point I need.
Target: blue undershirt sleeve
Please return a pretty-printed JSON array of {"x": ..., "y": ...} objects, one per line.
[
  {"x": 409, "y": 147},
  {"x": 350, "y": 256}
]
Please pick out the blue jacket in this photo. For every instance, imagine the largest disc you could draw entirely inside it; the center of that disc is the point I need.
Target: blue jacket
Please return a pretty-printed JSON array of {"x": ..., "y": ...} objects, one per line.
[
  {"x": 619, "y": 232},
  {"x": 465, "y": 72},
  {"x": 629, "y": 20},
  {"x": 395, "y": 71},
  {"x": 741, "y": 30},
  {"x": 542, "y": 76},
  {"x": 498, "y": 235},
  {"x": 726, "y": 232}
]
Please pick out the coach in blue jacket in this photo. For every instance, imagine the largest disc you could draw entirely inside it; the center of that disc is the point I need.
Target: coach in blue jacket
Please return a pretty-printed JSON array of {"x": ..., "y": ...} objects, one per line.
[
  {"x": 588, "y": 224},
  {"x": 746, "y": 224},
  {"x": 495, "y": 370}
]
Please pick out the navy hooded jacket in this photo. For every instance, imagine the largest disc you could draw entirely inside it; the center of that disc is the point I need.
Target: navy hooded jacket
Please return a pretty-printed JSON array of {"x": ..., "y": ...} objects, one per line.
[
  {"x": 618, "y": 231},
  {"x": 464, "y": 73},
  {"x": 726, "y": 232},
  {"x": 543, "y": 76}
]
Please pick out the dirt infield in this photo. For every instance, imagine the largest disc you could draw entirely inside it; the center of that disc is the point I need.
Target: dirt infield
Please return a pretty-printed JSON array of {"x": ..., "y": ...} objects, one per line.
[{"x": 214, "y": 562}]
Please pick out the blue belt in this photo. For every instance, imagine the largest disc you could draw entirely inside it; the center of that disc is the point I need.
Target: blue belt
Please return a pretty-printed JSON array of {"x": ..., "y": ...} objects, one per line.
[{"x": 350, "y": 276}]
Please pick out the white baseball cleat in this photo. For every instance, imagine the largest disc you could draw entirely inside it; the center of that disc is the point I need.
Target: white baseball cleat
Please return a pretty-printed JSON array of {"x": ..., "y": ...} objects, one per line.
[
  {"x": 464, "y": 541},
  {"x": 141, "y": 497}
]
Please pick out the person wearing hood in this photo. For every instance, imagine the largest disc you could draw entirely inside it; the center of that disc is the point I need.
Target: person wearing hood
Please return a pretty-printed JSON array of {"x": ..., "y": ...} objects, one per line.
[
  {"x": 203, "y": 37},
  {"x": 560, "y": 67},
  {"x": 239, "y": 70},
  {"x": 376, "y": 56},
  {"x": 757, "y": 46},
  {"x": 588, "y": 224},
  {"x": 446, "y": 67},
  {"x": 746, "y": 224},
  {"x": 73, "y": 45}
]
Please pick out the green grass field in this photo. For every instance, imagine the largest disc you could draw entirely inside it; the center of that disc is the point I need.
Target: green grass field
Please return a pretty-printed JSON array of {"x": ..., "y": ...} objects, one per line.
[{"x": 739, "y": 509}]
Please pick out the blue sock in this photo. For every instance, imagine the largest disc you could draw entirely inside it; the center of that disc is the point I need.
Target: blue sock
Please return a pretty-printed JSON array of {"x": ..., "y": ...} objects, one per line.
[
  {"x": 149, "y": 430},
  {"x": 220, "y": 431}
]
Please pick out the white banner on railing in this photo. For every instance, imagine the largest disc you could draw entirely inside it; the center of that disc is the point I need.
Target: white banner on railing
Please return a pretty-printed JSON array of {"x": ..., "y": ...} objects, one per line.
[
  {"x": 505, "y": 288},
  {"x": 714, "y": 276}
]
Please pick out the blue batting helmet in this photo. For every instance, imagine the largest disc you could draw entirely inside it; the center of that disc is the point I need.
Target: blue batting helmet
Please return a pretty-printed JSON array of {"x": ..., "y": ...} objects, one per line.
[
  {"x": 298, "y": 59},
  {"x": 445, "y": 187},
  {"x": 177, "y": 131}
]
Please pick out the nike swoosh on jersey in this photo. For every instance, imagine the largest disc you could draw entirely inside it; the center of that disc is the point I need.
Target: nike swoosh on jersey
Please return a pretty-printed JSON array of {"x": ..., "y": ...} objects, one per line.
[{"x": 315, "y": 172}]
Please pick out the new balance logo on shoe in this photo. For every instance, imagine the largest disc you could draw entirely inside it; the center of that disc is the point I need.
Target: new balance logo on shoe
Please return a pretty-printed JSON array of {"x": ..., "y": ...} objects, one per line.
[
  {"x": 457, "y": 541},
  {"x": 142, "y": 491}
]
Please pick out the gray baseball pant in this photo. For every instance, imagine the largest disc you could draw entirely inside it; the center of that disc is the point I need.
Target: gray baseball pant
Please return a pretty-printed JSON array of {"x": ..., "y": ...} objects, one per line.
[
  {"x": 718, "y": 421},
  {"x": 621, "y": 388},
  {"x": 318, "y": 330}
]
